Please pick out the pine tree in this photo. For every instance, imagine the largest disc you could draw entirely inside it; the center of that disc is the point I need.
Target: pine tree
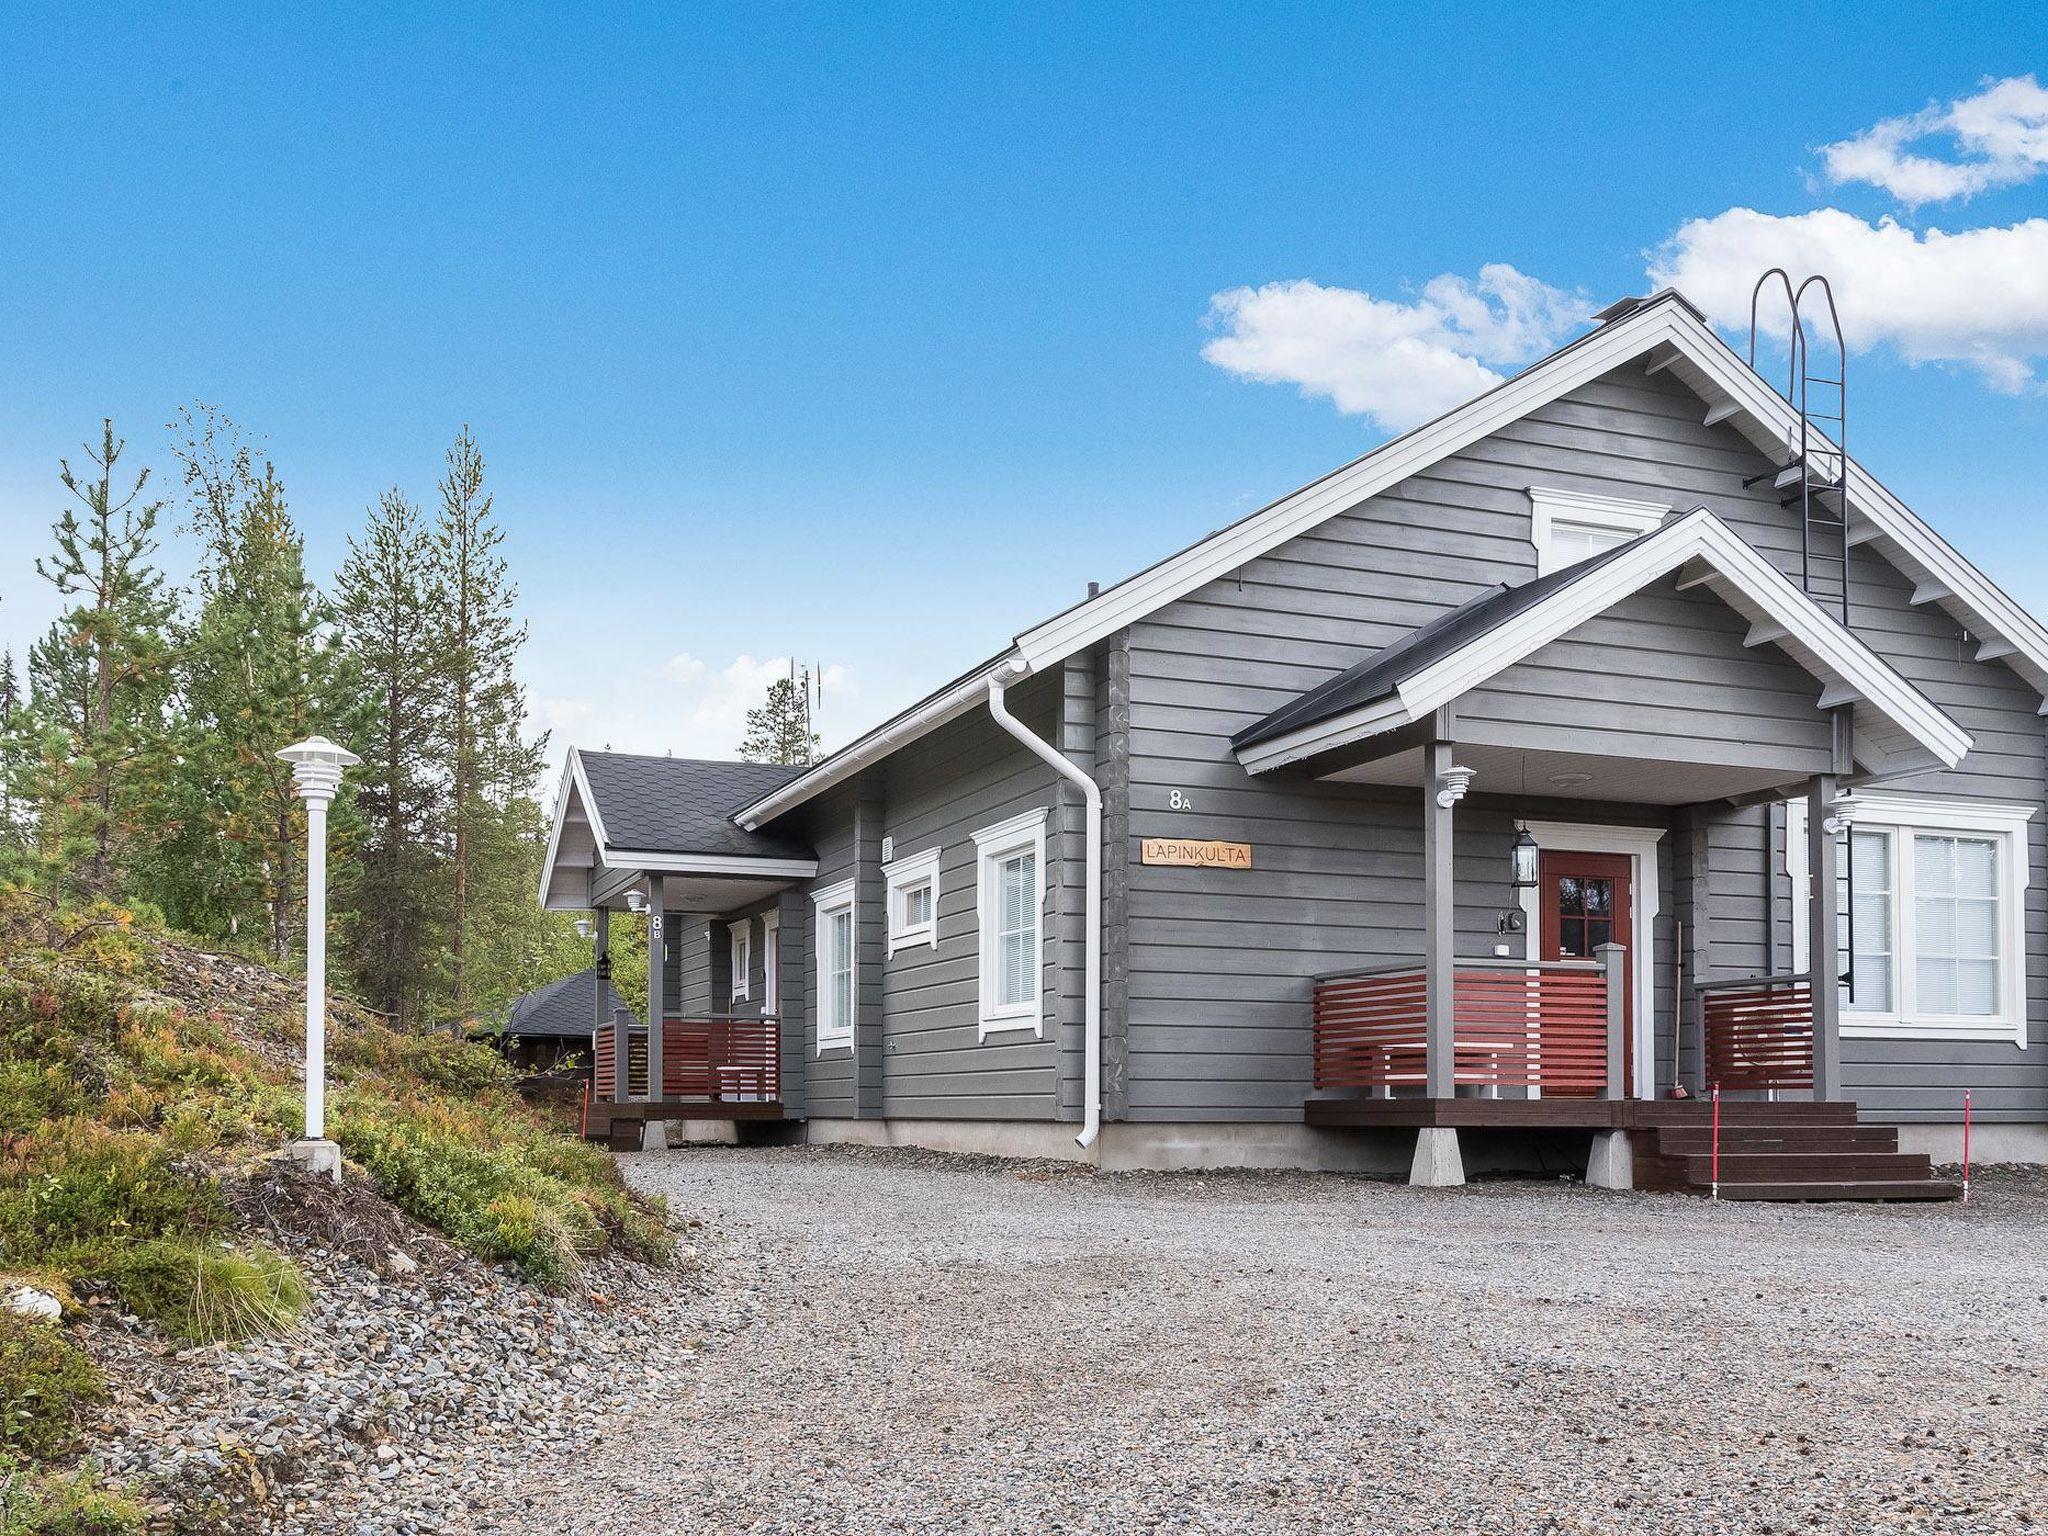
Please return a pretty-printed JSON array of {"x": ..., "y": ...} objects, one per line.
[
  {"x": 483, "y": 749},
  {"x": 779, "y": 728},
  {"x": 260, "y": 670},
  {"x": 382, "y": 608},
  {"x": 102, "y": 672},
  {"x": 13, "y": 784}
]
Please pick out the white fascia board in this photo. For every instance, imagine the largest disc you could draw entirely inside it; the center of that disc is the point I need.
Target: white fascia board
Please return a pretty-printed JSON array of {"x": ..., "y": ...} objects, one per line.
[
  {"x": 1699, "y": 535},
  {"x": 1893, "y": 519},
  {"x": 1370, "y": 720},
  {"x": 572, "y": 778},
  {"x": 709, "y": 864},
  {"x": 947, "y": 704}
]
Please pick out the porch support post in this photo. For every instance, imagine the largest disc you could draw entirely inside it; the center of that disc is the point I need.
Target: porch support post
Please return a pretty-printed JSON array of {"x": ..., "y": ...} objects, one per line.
[
  {"x": 1822, "y": 941},
  {"x": 1611, "y": 957},
  {"x": 1439, "y": 1163},
  {"x": 654, "y": 1135},
  {"x": 1439, "y": 938},
  {"x": 601, "y": 939}
]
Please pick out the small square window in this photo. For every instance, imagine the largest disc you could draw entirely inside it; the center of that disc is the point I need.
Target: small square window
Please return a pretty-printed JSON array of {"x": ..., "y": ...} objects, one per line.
[
  {"x": 912, "y": 883},
  {"x": 1569, "y": 526}
]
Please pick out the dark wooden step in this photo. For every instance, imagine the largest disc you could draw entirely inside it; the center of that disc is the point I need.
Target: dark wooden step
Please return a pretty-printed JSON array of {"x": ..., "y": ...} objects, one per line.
[
  {"x": 1691, "y": 1112},
  {"x": 1854, "y": 1189},
  {"x": 1675, "y": 1140},
  {"x": 1797, "y": 1167}
]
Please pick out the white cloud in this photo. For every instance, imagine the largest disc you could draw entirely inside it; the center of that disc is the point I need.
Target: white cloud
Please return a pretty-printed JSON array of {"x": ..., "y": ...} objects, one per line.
[
  {"x": 1978, "y": 298},
  {"x": 1996, "y": 138},
  {"x": 1401, "y": 363}
]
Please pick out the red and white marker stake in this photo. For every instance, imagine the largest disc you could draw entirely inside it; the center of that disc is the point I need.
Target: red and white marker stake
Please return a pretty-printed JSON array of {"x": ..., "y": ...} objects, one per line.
[
  {"x": 1717, "y": 1145},
  {"x": 1966, "y": 1146}
]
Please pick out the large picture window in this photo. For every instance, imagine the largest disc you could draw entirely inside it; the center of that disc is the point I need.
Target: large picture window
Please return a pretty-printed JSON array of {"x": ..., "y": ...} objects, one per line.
[
  {"x": 1010, "y": 860},
  {"x": 1938, "y": 901}
]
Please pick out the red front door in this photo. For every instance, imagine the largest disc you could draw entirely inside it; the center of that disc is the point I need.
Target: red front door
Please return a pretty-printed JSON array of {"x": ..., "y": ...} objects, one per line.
[{"x": 1587, "y": 902}]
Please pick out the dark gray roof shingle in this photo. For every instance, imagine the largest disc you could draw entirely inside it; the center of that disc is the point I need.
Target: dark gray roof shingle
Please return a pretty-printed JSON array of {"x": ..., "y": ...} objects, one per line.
[
  {"x": 565, "y": 1009},
  {"x": 684, "y": 805}
]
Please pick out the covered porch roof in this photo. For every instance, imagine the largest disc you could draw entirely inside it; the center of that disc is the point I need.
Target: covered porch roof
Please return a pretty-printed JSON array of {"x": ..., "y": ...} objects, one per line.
[
  {"x": 1369, "y": 723},
  {"x": 620, "y": 817}
]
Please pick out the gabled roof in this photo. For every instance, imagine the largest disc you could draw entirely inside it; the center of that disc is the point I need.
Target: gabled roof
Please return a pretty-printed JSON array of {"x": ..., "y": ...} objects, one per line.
[
  {"x": 625, "y": 813},
  {"x": 563, "y": 1010},
  {"x": 1897, "y": 728},
  {"x": 682, "y": 804},
  {"x": 1664, "y": 330}
]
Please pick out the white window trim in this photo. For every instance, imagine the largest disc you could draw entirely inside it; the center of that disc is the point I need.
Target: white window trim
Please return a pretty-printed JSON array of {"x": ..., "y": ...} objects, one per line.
[
  {"x": 904, "y": 874},
  {"x": 1552, "y": 509},
  {"x": 740, "y": 939},
  {"x": 991, "y": 845},
  {"x": 1903, "y": 815},
  {"x": 771, "y": 963},
  {"x": 833, "y": 1035}
]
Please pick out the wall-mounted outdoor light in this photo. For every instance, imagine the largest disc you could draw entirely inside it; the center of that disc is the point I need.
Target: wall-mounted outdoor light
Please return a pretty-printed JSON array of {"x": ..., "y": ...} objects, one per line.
[
  {"x": 637, "y": 900},
  {"x": 1451, "y": 786},
  {"x": 1841, "y": 815},
  {"x": 583, "y": 928}
]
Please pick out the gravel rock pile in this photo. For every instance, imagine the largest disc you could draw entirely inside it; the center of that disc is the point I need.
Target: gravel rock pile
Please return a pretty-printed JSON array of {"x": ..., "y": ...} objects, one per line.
[
  {"x": 931, "y": 1345},
  {"x": 408, "y": 1393}
]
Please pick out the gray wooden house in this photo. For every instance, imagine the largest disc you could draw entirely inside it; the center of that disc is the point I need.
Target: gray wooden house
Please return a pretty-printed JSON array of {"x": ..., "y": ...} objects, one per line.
[{"x": 1498, "y": 796}]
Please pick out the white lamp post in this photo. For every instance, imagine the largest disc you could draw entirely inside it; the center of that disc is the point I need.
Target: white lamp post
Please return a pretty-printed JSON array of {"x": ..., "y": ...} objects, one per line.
[{"x": 317, "y": 764}]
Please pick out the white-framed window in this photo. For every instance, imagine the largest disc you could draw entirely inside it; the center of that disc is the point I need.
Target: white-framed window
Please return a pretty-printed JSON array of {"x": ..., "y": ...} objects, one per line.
[
  {"x": 837, "y": 965},
  {"x": 912, "y": 883},
  {"x": 771, "y": 962},
  {"x": 1010, "y": 900},
  {"x": 1939, "y": 928},
  {"x": 742, "y": 939},
  {"x": 1570, "y": 526}
]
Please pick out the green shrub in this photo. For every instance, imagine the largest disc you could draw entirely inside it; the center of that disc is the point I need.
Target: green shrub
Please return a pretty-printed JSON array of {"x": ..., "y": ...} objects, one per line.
[
  {"x": 200, "y": 1291},
  {"x": 74, "y": 1183},
  {"x": 45, "y": 1381},
  {"x": 65, "y": 1504}
]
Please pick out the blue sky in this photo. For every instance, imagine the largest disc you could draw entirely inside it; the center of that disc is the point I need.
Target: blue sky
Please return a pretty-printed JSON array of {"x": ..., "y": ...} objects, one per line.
[{"x": 872, "y": 338}]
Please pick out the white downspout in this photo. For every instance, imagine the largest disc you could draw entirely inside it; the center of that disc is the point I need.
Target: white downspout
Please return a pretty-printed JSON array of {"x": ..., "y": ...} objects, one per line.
[{"x": 1091, "y": 949}]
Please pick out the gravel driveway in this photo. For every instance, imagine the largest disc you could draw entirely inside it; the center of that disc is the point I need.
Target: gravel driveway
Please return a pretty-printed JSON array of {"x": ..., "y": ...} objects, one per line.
[{"x": 906, "y": 1343}]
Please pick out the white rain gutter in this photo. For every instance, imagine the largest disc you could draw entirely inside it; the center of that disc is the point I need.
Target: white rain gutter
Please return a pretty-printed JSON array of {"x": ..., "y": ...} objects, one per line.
[{"x": 1091, "y": 949}]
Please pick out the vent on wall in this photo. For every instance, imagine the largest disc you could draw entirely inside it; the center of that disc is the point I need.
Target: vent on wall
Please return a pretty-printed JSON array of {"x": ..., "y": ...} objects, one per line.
[{"x": 888, "y": 849}]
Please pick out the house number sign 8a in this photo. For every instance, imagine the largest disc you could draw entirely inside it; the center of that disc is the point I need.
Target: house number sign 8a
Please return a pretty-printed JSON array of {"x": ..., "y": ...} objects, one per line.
[{"x": 1177, "y": 800}]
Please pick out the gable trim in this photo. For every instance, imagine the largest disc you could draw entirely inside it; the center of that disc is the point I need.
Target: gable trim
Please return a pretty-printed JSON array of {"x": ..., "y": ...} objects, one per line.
[{"x": 1816, "y": 641}]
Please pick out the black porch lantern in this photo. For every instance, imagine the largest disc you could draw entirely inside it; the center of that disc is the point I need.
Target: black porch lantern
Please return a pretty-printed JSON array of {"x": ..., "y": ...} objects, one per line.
[{"x": 1524, "y": 863}]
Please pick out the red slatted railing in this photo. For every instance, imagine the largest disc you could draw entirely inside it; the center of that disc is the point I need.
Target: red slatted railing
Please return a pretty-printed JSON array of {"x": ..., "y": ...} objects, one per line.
[
  {"x": 604, "y": 1058},
  {"x": 1758, "y": 1034},
  {"x": 1544, "y": 1029},
  {"x": 1370, "y": 1029},
  {"x": 722, "y": 1058},
  {"x": 1530, "y": 1025}
]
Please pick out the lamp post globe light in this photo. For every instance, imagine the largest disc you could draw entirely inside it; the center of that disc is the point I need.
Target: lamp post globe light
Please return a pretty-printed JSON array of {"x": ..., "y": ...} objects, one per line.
[{"x": 317, "y": 765}]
